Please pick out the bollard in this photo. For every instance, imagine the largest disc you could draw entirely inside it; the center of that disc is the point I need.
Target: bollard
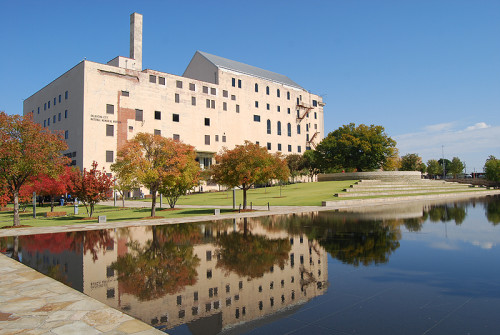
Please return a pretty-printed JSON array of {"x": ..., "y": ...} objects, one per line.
[
  {"x": 101, "y": 219},
  {"x": 75, "y": 208},
  {"x": 268, "y": 207},
  {"x": 216, "y": 211},
  {"x": 234, "y": 198}
]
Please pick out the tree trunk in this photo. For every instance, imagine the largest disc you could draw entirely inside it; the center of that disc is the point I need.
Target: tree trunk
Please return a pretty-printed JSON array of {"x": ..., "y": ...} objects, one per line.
[
  {"x": 123, "y": 199},
  {"x": 153, "y": 202},
  {"x": 244, "y": 197},
  {"x": 15, "y": 251},
  {"x": 51, "y": 203},
  {"x": 16, "y": 208}
]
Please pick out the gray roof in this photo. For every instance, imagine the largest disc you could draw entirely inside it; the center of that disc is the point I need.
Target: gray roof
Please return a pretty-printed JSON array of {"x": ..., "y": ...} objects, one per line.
[{"x": 232, "y": 65}]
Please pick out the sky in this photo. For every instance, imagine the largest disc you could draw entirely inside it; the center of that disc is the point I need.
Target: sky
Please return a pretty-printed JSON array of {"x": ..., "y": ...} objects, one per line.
[{"x": 428, "y": 71}]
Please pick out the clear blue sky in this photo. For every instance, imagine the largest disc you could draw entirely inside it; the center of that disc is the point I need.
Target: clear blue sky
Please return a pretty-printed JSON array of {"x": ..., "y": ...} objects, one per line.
[{"x": 426, "y": 70}]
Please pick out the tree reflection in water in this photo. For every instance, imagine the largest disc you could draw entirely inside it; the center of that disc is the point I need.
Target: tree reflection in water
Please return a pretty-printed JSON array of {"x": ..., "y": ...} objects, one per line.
[
  {"x": 492, "y": 207},
  {"x": 250, "y": 255},
  {"x": 449, "y": 212},
  {"x": 165, "y": 264}
]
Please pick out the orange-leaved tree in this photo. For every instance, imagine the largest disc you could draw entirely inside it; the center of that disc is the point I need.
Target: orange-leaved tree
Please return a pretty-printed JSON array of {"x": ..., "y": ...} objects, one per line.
[
  {"x": 26, "y": 150},
  {"x": 91, "y": 186},
  {"x": 157, "y": 163},
  {"x": 247, "y": 165},
  {"x": 53, "y": 186}
]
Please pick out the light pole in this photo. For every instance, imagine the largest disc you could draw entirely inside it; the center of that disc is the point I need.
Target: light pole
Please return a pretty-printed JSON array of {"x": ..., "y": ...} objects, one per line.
[{"x": 442, "y": 152}]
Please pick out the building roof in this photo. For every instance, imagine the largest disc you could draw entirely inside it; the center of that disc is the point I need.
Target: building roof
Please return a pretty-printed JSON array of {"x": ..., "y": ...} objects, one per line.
[{"x": 243, "y": 68}]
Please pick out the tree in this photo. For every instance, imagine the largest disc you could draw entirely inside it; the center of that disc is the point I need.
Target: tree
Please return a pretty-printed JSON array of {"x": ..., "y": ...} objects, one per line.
[
  {"x": 247, "y": 165},
  {"x": 361, "y": 148},
  {"x": 492, "y": 169},
  {"x": 53, "y": 186},
  {"x": 27, "y": 150},
  {"x": 393, "y": 162},
  {"x": 295, "y": 163},
  {"x": 91, "y": 186},
  {"x": 422, "y": 168},
  {"x": 434, "y": 168},
  {"x": 124, "y": 182},
  {"x": 445, "y": 164},
  {"x": 157, "y": 163},
  {"x": 411, "y": 162},
  {"x": 310, "y": 159},
  {"x": 455, "y": 167}
]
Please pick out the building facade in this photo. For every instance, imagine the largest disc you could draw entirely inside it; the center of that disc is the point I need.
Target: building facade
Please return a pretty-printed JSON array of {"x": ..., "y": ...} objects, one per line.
[{"x": 216, "y": 103}]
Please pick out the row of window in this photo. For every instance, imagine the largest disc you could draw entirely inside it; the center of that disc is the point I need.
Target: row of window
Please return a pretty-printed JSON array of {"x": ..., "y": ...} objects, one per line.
[
  {"x": 55, "y": 101},
  {"x": 207, "y": 139},
  {"x": 55, "y": 118}
]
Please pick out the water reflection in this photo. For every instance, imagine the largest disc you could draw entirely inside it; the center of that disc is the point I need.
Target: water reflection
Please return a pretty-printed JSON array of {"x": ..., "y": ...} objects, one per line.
[{"x": 212, "y": 276}]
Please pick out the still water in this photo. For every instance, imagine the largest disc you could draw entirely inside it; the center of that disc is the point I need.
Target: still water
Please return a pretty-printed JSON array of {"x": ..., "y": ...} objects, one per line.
[{"x": 420, "y": 268}]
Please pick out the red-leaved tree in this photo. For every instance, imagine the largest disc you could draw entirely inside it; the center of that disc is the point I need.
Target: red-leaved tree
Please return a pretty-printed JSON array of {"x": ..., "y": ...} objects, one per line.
[
  {"x": 53, "y": 187},
  {"x": 91, "y": 186}
]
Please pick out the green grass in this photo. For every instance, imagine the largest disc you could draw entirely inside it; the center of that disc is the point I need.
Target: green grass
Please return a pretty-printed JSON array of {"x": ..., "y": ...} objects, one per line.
[
  {"x": 301, "y": 194},
  {"x": 112, "y": 214}
]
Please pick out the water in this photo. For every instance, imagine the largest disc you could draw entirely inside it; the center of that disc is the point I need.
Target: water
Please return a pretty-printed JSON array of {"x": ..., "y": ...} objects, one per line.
[{"x": 420, "y": 268}]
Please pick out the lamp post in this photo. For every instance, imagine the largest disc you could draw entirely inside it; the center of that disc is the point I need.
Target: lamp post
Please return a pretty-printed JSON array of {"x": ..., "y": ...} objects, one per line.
[{"x": 444, "y": 171}]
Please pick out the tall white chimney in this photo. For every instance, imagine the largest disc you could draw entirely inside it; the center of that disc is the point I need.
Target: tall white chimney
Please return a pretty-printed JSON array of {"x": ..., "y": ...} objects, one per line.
[{"x": 136, "y": 39}]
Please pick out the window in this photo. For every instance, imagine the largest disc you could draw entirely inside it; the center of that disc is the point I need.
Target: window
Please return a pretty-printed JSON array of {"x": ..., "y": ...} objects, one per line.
[
  {"x": 233, "y": 97},
  {"x": 177, "y": 97},
  {"x": 109, "y": 156},
  {"x": 161, "y": 80},
  {"x": 237, "y": 108},
  {"x": 208, "y": 103},
  {"x": 224, "y": 106},
  {"x": 192, "y": 87},
  {"x": 223, "y": 138},
  {"x": 207, "y": 139},
  {"x": 279, "y": 127},
  {"x": 138, "y": 115},
  {"x": 298, "y": 114},
  {"x": 110, "y": 293},
  {"x": 48, "y": 121},
  {"x": 315, "y": 115},
  {"x": 298, "y": 129},
  {"x": 193, "y": 101},
  {"x": 278, "y": 93},
  {"x": 212, "y": 104},
  {"x": 125, "y": 94},
  {"x": 307, "y": 137},
  {"x": 290, "y": 150},
  {"x": 179, "y": 300},
  {"x": 299, "y": 149},
  {"x": 110, "y": 109},
  {"x": 48, "y": 105},
  {"x": 54, "y": 119},
  {"x": 225, "y": 93},
  {"x": 208, "y": 255},
  {"x": 268, "y": 106},
  {"x": 315, "y": 126},
  {"x": 110, "y": 130},
  {"x": 256, "y": 118},
  {"x": 268, "y": 146},
  {"x": 157, "y": 115},
  {"x": 233, "y": 82},
  {"x": 175, "y": 117},
  {"x": 195, "y": 296},
  {"x": 269, "y": 126},
  {"x": 239, "y": 83},
  {"x": 289, "y": 129},
  {"x": 38, "y": 110},
  {"x": 157, "y": 132},
  {"x": 205, "y": 89},
  {"x": 216, "y": 138},
  {"x": 45, "y": 106},
  {"x": 307, "y": 127},
  {"x": 279, "y": 146},
  {"x": 207, "y": 121},
  {"x": 213, "y": 91},
  {"x": 59, "y": 117},
  {"x": 110, "y": 272},
  {"x": 288, "y": 95},
  {"x": 267, "y": 90},
  {"x": 152, "y": 79},
  {"x": 66, "y": 95},
  {"x": 66, "y": 114},
  {"x": 59, "y": 98},
  {"x": 178, "y": 84},
  {"x": 194, "y": 310},
  {"x": 130, "y": 129},
  {"x": 54, "y": 101},
  {"x": 256, "y": 87},
  {"x": 66, "y": 135},
  {"x": 176, "y": 137},
  {"x": 315, "y": 103},
  {"x": 278, "y": 108},
  {"x": 298, "y": 101}
]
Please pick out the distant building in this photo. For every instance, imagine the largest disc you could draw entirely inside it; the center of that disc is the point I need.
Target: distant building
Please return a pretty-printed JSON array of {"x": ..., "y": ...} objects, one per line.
[{"x": 216, "y": 103}]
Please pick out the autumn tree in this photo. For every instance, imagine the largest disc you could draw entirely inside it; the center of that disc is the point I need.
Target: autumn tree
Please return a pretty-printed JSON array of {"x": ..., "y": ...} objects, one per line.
[
  {"x": 393, "y": 162},
  {"x": 295, "y": 163},
  {"x": 157, "y": 163},
  {"x": 124, "y": 182},
  {"x": 91, "y": 186},
  {"x": 456, "y": 167},
  {"x": 53, "y": 186},
  {"x": 247, "y": 165},
  {"x": 492, "y": 169},
  {"x": 361, "y": 148},
  {"x": 27, "y": 150},
  {"x": 411, "y": 162},
  {"x": 434, "y": 168}
]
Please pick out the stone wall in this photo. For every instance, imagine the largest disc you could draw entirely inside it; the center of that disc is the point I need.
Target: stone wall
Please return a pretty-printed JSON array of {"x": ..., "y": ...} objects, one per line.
[{"x": 380, "y": 175}]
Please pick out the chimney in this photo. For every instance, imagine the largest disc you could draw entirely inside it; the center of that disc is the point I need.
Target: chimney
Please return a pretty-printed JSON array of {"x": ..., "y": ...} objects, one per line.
[{"x": 136, "y": 39}]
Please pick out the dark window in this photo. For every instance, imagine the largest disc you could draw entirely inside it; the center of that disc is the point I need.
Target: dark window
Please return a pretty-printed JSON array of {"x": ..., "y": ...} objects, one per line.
[
  {"x": 256, "y": 87},
  {"x": 205, "y": 89},
  {"x": 278, "y": 93},
  {"x": 279, "y": 146},
  {"x": 299, "y": 149},
  {"x": 182, "y": 314},
  {"x": 267, "y": 90},
  {"x": 48, "y": 105},
  {"x": 237, "y": 108},
  {"x": 208, "y": 103},
  {"x": 268, "y": 146},
  {"x": 54, "y": 101},
  {"x": 225, "y": 93},
  {"x": 207, "y": 121},
  {"x": 278, "y": 108},
  {"x": 269, "y": 126},
  {"x": 110, "y": 272},
  {"x": 177, "y": 137},
  {"x": 59, "y": 98},
  {"x": 315, "y": 103},
  {"x": 224, "y": 106},
  {"x": 279, "y": 127},
  {"x": 125, "y": 93},
  {"x": 192, "y": 87},
  {"x": 298, "y": 129},
  {"x": 66, "y": 114},
  {"x": 178, "y": 84},
  {"x": 152, "y": 79},
  {"x": 66, "y": 134},
  {"x": 194, "y": 310},
  {"x": 233, "y": 82},
  {"x": 54, "y": 119},
  {"x": 289, "y": 129},
  {"x": 59, "y": 117},
  {"x": 157, "y": 132},
  {"x": 268, "y": 106},
  {"x": 239, "y": 83},
  {"x": 193, "y": 101},
  {"x": 207, "y": 139},
  {"x": 157, "y": 115},
  {"x": 138, "y": 115},
  {"x": 179, "y": 299},
  {"x": 216, "y": 138},
  {"x": 110, "y": 130},
  {"x": 209, "y": 255},
  {"x": 161, "y": 80},
  {"x": 288, "y": 95},
  {"x": 256, "y": 104},
  {"x": 38, "y": 110},
  {"x": 315, "y": 115},
  {"x": 256, "y": 118},
  {"x": 212, "y": 104},
  {"x": 48, "y": 121},
  {"x": 223, "y": 138},
  {"x": 195, "y": 296},
  {"x": 213, "y": 91},
  {"x": 109, "y": 156},
  {"x": 110, "y": 109},
  {"x": 289, "y": 148},
  {"x": 177, "y": 97},
  {"x": 175, "y": 117},
  {"x": 66, "y": 95},
  {"x": 233, "y": 97},
  {"x": 209, "y": 274},
  {"x": 110, "y": 293}
]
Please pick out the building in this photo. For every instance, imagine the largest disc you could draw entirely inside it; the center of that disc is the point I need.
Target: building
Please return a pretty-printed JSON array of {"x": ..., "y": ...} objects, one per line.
[{"x": 216, "y": 103}]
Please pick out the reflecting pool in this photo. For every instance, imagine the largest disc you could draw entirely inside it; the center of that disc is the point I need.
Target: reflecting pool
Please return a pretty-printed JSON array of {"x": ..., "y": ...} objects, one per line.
[{"x": 419, "y": 268}]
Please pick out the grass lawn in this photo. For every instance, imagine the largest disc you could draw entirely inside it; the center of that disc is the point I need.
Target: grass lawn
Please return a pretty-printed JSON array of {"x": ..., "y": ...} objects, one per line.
[
  {"x": 301, "y": 194},
  {"x": 112, "y": 214}
]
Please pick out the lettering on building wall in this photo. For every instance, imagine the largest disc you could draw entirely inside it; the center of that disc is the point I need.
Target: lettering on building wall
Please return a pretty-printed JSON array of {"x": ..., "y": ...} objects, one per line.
[{"x": 102, "y": 118}]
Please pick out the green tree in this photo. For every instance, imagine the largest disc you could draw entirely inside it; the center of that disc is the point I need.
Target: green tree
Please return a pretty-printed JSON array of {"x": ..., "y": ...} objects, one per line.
[
  {"x": 445, "y": 165},
  {"x": 362, "y": 147},
  {"x": 411, "y": 162},
  {"x": 492, "y": 169},
  {"x": 27, "y": 150},
  {"x": 310, "y": 163},
  {"x": 247, "y": 165},
  {"x": 295, "y": 163},
  {"x": 422, "y": 168},
  {"x": 455, "y": 167},
  {"x": 393, "y": 162},
  {"x": 434, "y": 168}
]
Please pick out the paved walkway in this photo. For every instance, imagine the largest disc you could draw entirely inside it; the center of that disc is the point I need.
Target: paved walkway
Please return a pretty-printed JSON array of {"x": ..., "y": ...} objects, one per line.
[{"x": 32, "y": 303}]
